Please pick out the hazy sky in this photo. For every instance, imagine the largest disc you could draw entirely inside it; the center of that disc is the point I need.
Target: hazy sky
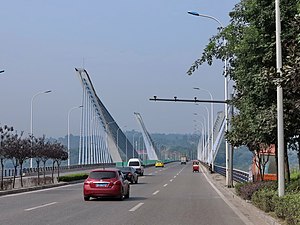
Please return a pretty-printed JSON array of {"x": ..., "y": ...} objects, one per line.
[{"x": 131, "y": 49}]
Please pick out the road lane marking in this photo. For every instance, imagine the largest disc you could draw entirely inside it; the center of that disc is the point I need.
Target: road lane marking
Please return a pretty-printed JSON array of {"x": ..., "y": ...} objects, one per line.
[
  {"x": 150, "y": 173},
  {"x": 40, "y": 206},
  {"x": 174, "y": 176},
  {"x": 165, "y": 185},
  {"x": 154, "y": 193},
  {"x": 171, "y": 180},
  {"x": 136, "y": 207}
]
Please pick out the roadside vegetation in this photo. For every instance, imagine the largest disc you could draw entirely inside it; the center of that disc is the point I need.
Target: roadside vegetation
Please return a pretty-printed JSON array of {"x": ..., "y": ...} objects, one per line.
[
  {"x": 17, "y": 149},
  {"x": 73, "y": 177},
  {"x": 264, "y": 195}
]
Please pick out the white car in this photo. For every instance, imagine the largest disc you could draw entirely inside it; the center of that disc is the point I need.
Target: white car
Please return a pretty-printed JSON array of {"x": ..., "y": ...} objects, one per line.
[{"x": 137, "y": 165}]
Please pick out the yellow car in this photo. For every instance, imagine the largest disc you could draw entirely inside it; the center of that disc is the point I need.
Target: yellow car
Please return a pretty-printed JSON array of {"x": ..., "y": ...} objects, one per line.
[{"x": 159, "y": 164}]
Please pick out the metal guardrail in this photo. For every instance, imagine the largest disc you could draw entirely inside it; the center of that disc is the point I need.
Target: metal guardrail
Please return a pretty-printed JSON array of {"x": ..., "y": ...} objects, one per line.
[
  {"x": 238, "y": 175},
  {"x": 7, "y": 173}
]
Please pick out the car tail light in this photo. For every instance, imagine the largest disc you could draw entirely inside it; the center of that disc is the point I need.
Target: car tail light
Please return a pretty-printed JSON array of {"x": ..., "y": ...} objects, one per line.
[
  {"x": 118, "y": 182},
  {"x": 110, "y": 184},
  {"x": 87, "y": 182}
]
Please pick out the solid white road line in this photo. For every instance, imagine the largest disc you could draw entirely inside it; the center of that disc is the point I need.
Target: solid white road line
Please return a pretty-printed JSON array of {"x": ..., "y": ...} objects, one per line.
[
  {"x": 136, "y": 207},
  {"x": 154, "y": 193},
  {"x": 40, "y": 206},
  {"x": 165, "y": 185},
  {"x": 237, "y": 212}
]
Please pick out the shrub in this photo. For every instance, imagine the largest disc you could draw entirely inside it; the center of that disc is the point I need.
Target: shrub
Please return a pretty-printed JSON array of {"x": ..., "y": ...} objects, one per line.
[
  {"x": 73, "y": 177},
  {"x": 295, "y": 175},
  {"x": 246, "y": 190},
  {"x": 287, "y": 207},
  {"x": 293, "y": 186},
  {"x": 264, "y": 199}
]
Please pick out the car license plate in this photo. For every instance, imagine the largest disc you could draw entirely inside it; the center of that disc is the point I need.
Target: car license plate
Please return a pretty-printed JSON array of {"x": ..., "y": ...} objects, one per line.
[{"x": 101, "y": 185}]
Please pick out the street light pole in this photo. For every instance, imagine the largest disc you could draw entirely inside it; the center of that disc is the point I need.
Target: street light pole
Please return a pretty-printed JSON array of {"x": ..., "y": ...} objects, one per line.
[
  {"x": 211, "y": 123},
  {"x": 229, "y": 178},
  {"x": 280, "y": 127},
  {"x": 133, "y": 144},
  {"x": 31, "y": 115},
  {"x": 77, "y": 107}
]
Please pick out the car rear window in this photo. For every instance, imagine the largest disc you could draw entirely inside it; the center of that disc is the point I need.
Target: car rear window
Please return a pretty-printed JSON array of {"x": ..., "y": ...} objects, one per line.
[
  {"x": 102, "y": 174},
  {"x": 134, "y": 163},
  {"x": 125, "y": 169}
]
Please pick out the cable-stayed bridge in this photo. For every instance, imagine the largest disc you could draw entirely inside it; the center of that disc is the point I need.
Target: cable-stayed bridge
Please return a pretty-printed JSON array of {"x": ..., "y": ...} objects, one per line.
[
  {"x": 149, "y": 144},
  {"x": 101, "y": 138}
]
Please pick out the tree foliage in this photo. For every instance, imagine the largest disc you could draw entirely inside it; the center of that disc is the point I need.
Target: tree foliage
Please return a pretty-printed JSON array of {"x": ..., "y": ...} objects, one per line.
[{"x": 249, "y": 44}]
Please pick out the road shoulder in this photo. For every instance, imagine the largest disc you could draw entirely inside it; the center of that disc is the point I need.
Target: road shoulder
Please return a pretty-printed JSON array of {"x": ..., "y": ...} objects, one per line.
[{"x": 253, "y": 214}]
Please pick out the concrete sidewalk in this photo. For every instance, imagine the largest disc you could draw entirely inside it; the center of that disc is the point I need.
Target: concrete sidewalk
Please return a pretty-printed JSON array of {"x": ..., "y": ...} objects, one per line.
[{"x": 253, "y": 214}]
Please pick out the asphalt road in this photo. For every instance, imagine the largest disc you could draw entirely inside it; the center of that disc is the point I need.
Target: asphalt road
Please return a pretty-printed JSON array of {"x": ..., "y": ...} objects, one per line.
[{"x": 173, "y": 195}]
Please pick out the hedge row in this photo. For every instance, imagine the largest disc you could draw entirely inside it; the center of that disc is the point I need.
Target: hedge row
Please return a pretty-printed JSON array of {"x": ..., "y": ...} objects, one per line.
[
  {"x": 73, "y": 177},
  {"x": 264, "y": 195}
]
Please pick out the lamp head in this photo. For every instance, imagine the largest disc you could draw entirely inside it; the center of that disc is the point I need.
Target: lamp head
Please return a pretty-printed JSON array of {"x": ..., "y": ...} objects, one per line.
[{"x": 193, "y": 13}]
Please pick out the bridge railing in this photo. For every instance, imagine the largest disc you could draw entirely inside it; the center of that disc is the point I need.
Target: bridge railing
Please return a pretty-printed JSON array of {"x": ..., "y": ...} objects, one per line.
[
  {"x": 238, "y": 175},
  {"x": 33, "y": 171}
]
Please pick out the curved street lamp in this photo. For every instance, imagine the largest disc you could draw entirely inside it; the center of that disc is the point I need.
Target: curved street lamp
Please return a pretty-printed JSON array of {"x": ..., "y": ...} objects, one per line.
[
  {"x": 229, "y": 179},
  {"x": 69, "y": 156},
  {"x": 31, "y": 115}
]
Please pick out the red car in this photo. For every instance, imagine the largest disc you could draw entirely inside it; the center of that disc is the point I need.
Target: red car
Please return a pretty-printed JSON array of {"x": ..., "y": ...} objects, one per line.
[{"x": 105, "y": 183}]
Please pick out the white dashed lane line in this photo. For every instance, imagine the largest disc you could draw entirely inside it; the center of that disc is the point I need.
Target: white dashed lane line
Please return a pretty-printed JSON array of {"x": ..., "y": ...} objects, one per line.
[
  {"x": 154, "y": 193},
  {"x": 171, "y": 180},
  {"x": 165, "y": 185},
  {"x": 136, "y": 207},
  {"x": 40, "y": 206}
]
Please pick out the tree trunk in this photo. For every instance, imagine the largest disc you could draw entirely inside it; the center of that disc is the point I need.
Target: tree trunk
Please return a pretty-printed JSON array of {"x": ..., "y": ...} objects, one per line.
[
  {"x": 58, "y": 164},
  {"x": 21, "y": 173},
  {"x": 276, "y": 159},
  {"x": 287, "y": 167},
  {"x": 15, "y": 172},
  {"x": 38, "y": 169},
  {"x": 53, "y": 171},
  {"x": 44, "y": 172},
  {"x": 2, "y": 169}
]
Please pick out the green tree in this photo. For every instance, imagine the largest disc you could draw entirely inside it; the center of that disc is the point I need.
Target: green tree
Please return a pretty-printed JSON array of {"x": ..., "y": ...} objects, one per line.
[{"x": 5, "y": 132}]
